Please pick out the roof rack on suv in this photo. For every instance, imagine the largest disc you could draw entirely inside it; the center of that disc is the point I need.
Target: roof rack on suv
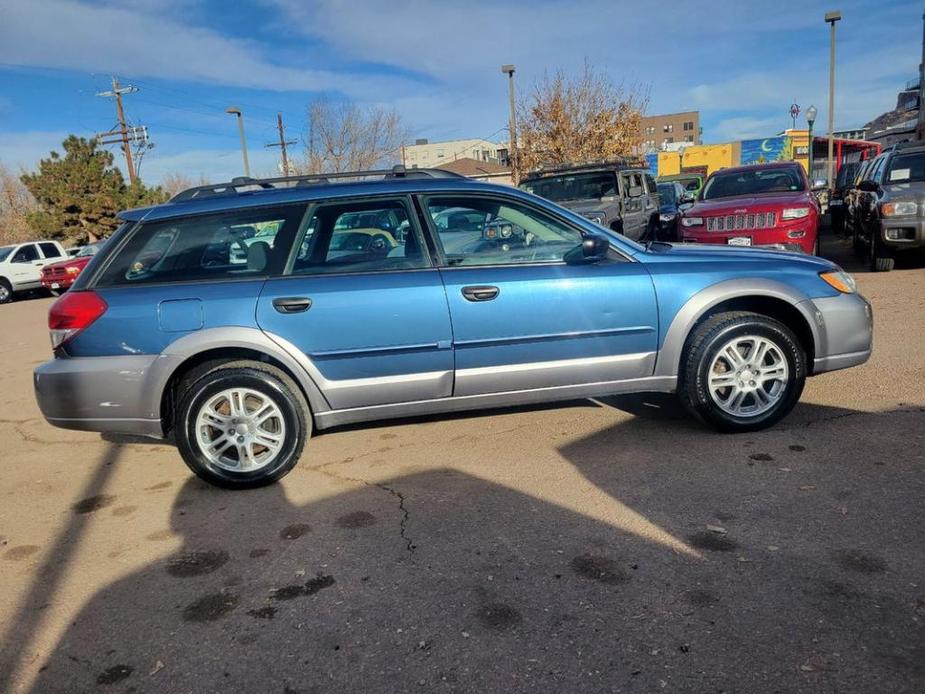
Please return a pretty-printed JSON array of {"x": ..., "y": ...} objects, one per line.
[
  {"x": 243, "y": 182},
  {"x": 623, "y": 162}
]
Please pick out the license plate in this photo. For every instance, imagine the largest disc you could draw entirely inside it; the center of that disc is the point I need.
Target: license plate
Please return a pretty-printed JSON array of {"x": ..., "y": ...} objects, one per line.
[
  {"x": 55, "y": 285},
  {"x": 740, "y": 241},
  {"x": 836, "y": 203}
]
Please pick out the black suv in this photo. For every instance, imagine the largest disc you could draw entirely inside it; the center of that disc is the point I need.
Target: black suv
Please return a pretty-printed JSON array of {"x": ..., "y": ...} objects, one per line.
[
  {"x": 620, "y": 195},
  {"x": 890, "y": 203}
]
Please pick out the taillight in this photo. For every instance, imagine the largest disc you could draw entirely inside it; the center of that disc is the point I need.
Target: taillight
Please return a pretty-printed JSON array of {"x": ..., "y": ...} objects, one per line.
[{"x": 73, "y": 312}]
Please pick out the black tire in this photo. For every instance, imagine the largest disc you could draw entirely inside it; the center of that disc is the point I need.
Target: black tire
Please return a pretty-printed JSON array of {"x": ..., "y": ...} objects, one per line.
[
  {"x": 6, "y": 291},
  {"x": 201, "y": 384},
  {"x": 703, "y": 346},
  {"x": 880, "y": 260}
]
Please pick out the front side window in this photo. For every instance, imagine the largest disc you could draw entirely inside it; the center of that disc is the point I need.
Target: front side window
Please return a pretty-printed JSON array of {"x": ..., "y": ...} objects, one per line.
[
  {"x": 507, "y": 232},
  {"x": 580, "y": 186},
  {"x": 230, "y": 245},
  {"x": 26, "y": 254},
  {"x": 363, "y": 236},
  {"x": 753, "y": 182}
]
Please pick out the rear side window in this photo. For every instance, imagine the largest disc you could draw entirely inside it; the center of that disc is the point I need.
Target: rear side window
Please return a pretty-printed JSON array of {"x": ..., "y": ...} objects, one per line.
[
  {"x": 230, "y": 245},
  {"x": 362, "y": 236},
  {"x": 50, "y": 250}
]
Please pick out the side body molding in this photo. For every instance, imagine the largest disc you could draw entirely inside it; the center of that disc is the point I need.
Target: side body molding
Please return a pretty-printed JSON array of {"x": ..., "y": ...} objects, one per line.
[
  {"x": 231, "y": 337},
  {"x": 669, "y": 357}
]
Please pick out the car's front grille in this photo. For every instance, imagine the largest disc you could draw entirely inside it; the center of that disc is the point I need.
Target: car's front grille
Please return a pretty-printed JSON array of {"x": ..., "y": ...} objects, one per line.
[
  {"x": 739, "y": 222},
  {"x": 54, "y": 271}
]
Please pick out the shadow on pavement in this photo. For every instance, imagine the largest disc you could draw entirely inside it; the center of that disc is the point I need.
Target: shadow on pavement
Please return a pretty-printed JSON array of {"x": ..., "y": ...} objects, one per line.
[{"x": 440, "y": 580}]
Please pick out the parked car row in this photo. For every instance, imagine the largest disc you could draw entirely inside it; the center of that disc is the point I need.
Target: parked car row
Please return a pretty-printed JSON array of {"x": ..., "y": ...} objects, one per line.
[
  {"x": 884, "y": 206},
  {"x": 41, "y": 265},
  {"x": 239, "y": 362}
]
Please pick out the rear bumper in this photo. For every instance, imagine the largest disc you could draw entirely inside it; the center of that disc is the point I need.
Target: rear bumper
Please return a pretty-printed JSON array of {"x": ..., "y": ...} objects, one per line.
[
  {"x": 98, "y": 394},
  {"x": 845, "y": 329}
]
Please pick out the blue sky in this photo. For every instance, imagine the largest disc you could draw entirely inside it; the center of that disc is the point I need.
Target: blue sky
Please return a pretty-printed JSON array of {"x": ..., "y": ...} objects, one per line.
[{"x": 740, "y": 63}]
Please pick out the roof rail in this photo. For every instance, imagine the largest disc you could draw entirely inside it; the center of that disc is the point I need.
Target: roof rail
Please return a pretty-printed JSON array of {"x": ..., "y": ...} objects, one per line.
[
  {"x": 243, "y": 182},
  {"x": 624, "y": 162}
]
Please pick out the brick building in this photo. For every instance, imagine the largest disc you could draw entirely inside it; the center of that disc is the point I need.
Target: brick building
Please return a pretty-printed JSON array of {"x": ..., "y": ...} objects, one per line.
[{"x": 670, "y": 128}]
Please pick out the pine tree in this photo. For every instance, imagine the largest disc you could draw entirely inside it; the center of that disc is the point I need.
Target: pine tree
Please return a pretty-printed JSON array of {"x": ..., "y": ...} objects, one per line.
[{"x": 80, "y": 193}]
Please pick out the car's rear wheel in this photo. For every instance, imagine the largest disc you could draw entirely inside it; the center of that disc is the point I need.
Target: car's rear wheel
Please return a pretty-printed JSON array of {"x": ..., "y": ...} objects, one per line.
[
  {"x": 241, "y": 424},
  {"x": 742, "y": 372},
  {"x": 6, "y": 291}
]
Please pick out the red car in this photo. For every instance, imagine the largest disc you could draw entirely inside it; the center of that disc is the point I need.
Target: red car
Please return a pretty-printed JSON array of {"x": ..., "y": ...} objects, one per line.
[
  {"x": 58, "y": 277},
  {"x": 757, "y": 205}
]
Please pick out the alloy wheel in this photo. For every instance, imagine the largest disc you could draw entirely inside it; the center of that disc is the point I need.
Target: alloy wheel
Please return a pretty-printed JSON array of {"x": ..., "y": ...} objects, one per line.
[
  {"x": 240, "y": 429},
  {"x": 748, "y": 376}
]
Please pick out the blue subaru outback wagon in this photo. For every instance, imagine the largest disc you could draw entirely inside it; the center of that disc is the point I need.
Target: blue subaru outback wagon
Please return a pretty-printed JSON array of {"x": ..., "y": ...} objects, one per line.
[{"x": 239, "y": 317}]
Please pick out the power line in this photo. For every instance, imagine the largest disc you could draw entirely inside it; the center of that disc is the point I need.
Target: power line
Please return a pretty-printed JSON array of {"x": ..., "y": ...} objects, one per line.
[{"x": 124, "y": 134}]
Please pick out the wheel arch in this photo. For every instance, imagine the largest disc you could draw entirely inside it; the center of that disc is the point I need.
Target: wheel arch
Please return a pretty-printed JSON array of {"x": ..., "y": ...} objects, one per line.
[
  {"x": 773, "y": 299},
  {"x": 224, "y": 344}
]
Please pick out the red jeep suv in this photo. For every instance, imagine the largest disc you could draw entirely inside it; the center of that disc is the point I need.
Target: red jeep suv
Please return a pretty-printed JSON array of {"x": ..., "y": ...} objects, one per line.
[{"x": 757, "y": 205}]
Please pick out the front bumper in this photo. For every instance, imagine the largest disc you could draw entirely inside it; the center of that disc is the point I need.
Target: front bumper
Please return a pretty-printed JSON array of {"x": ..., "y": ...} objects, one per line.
[
  {"x": 99, "y": 394},
  {"x": 63, "y": 282},
  {"x": 844, "y": 329},
  {"x": 909, "y": 230},
  {"x": 760, "y": 237}
]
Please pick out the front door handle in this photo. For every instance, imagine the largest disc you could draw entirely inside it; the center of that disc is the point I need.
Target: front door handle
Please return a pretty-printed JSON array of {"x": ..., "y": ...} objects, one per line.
[
  {"x": 292, "y": 304},
  {"x": 480, "y": 293}
]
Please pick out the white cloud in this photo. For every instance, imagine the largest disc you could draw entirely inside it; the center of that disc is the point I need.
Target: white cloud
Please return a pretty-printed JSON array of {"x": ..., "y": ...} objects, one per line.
[{"x": 78, "y": 36}]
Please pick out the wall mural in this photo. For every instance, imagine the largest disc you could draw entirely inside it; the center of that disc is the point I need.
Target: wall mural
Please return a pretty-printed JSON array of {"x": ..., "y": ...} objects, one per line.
[{"x": 766, "y": 150}]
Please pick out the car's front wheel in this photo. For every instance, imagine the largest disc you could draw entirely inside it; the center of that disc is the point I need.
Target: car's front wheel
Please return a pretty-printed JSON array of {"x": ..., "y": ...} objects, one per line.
[
  {"x": 241, "y": 424},
  {"x": 881, "y": 259},
  {"x": 6, "y": 291},
  {"x": 742, "y": 371}
]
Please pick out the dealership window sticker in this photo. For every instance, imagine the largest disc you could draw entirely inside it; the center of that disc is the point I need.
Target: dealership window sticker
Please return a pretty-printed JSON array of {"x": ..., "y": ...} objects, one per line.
[{"x": 900, "y": 174}]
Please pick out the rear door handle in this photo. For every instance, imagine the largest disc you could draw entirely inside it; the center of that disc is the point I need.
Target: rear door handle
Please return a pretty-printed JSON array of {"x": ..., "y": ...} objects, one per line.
[
  {"x": 292, "y": 304},
  {"x": 480, "y": 293}
]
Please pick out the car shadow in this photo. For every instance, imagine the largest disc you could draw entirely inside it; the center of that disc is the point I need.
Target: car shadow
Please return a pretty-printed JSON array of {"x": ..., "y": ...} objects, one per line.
[{"x": 693, "y": 561}]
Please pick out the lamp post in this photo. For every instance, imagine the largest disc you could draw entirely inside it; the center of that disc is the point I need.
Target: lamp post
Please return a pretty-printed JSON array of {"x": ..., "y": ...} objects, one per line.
[
  {"x": 810, "y": 119},
  {"x": 235, "y": 111},
  {"x": 515, "y": 168},
  {"x": 831, "y": 18}
]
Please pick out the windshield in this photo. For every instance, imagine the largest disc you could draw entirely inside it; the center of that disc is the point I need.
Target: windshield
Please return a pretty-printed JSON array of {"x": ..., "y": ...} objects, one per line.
[
  {"x": 5, "y": 251},
  {"x": 582, "y": 186},
  {"x": 667, "y": 193},
  {"x": 752, "y": 182},
  {"x": 907, "y": 167},
  {"x": 87, "y": 251}
]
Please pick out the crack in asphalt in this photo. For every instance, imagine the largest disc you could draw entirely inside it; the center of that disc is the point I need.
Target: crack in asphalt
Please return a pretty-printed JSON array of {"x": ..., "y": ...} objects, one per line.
[
  {"x": 845, "y": 415},
  {"x": 410, "y": 546}
]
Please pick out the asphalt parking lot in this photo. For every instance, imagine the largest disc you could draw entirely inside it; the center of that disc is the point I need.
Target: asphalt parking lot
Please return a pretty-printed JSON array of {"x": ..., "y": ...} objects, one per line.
[{"x": 598, "y": 546}]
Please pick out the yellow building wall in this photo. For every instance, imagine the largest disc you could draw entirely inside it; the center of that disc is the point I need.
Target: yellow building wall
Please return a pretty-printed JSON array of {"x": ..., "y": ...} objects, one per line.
[
  {"x": 800, "y": 142},
  {"x": 669, "y": 163},
  {"x": 713, "y": 157}
]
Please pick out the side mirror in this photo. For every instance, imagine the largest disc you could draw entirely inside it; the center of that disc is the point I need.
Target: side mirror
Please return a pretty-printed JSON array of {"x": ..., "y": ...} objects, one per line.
[
  {"x": 820, "y": 184},
  {"x": 593, "y": 249},
  {"x": 868, "y": 186},
  {"x": 635, "y": 191},
  {"x": 687, "y": 199}
]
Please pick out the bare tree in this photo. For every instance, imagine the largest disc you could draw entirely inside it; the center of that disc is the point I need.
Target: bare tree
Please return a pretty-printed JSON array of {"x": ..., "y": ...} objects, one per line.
[
  {"x": 176, "y": 182},
  {"x": 15, "y": 205},
  {"x": 342, "y": 136},
  {"x": 579, "y": 119}
]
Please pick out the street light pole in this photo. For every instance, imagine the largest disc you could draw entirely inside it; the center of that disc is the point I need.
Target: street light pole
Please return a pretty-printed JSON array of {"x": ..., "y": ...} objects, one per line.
[
  {"x": 831, "y": 18},
  {"x": 515, "y": 159},
  {"x": 810, "y": 119},
  {"x": 235, "y": 111}
]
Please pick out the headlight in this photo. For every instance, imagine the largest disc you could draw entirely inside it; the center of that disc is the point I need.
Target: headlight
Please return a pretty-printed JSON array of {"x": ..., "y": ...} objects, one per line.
[
  {"x": 897, "y": 209},
  {"x": 596, "y": 217},
  {"x": 691, "y": 221},
  {"x": 840, "y": 280},
  {"x": 73, "y": 270},
  {"x": 795, "y": 213},
  {"x": 667, "y": 217}
]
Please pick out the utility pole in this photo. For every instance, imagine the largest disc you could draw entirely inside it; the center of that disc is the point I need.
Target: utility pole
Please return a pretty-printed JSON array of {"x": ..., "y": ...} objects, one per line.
[
  {"x": 282, "y": 143},
  {"x": 123, "y": 132},
  {"x": 515, "y": 163},
  {"x": 831, "y": 18},
  {"x": 920, "y": 130}
]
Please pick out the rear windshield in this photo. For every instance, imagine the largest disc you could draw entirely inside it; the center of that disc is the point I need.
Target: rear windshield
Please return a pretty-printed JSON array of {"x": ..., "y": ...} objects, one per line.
[
  {"x": 231, "y": 245},
  {"x": 753, "y": 182},
  {"x": 583, "y": 186}
]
